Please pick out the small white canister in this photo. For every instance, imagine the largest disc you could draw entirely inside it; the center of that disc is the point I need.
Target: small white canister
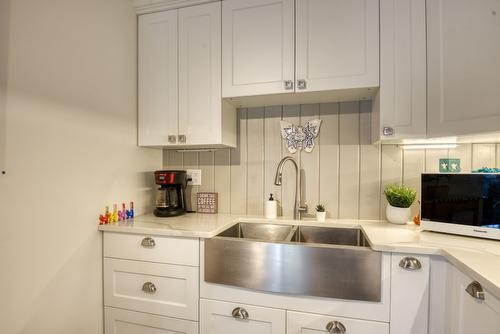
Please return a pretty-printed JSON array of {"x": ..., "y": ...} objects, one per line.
[{"x": 271, "y": 211}]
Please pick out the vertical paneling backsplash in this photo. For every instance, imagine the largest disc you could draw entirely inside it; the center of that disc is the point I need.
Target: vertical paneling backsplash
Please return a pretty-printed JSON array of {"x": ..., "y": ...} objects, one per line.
[{"x": 344, "y": 171}]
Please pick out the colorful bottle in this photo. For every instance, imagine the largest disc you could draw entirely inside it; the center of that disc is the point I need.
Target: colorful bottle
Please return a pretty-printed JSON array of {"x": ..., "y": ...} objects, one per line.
[
  {"x": 115, "y": 213},
  {"x": 131, "y": 209},
  {"x": 107, "y": 215}
]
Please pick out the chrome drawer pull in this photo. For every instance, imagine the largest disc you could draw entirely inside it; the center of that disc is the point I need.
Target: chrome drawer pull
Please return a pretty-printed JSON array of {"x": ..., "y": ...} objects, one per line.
[
  {"x": 149, "y": 287},
  {"x": 475, "y": 290},
  {"x": 240, "y": 313},
  {"x": 172, "y": 139},
  {"x": 288, "y": 84},
  {"x": 148, "y": 242},
  {"x": 335, "y": 327},
  {"x": 410, "y": 263},
  {"x": 301, "y": 84},
  {"x": 388, "y": 131}
]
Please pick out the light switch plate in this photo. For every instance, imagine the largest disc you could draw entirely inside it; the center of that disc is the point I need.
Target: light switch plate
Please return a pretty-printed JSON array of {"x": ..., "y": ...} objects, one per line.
[{"x": 195, "y": 176}]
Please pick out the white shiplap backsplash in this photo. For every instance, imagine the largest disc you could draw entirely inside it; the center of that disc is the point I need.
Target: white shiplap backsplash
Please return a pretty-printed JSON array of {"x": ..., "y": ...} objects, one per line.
[{"x": 345, "y": 171}]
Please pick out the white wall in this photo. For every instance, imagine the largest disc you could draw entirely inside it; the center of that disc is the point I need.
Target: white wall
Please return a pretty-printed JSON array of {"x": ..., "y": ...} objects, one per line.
[
  {"x": 70, "y": 150},
  {"x": 4, "y": 35}
]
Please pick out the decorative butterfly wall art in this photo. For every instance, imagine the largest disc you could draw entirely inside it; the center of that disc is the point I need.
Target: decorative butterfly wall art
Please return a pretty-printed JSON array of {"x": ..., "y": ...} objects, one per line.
[{"x": 300, "y": 137}]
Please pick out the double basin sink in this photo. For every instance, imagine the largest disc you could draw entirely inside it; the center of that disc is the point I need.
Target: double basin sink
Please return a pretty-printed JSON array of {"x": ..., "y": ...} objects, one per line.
[{"x": 296, "y": 260}]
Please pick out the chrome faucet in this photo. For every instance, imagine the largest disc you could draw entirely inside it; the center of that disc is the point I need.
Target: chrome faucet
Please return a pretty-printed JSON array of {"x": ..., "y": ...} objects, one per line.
[{"x": 278, "y": 180}]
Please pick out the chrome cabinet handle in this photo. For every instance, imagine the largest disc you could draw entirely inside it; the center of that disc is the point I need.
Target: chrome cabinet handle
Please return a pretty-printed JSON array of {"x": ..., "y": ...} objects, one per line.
[
  {"x": 475, "y": 290},
  {"x": 301, "y": 84},
  {"x": 288, "y": 84},
  {"x": 148, "y": 242},
  {"x": 410, "y": 263},
  {"x": 182, "y": 139},
  {"x": 149, "y": 287},
  {"x": 335, "y": 327},
  {"x": 240, "y": 313},
  {"x": 172, "y": 139},
  {"x": 388, "y": 131}
]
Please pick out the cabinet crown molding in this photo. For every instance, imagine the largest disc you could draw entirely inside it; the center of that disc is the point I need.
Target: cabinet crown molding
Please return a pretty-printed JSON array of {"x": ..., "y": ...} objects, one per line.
[{"x": 150, "y": 6}]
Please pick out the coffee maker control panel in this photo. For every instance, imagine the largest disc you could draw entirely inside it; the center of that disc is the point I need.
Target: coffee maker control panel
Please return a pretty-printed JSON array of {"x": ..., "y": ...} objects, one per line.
[{"x": 163, "y": 177}]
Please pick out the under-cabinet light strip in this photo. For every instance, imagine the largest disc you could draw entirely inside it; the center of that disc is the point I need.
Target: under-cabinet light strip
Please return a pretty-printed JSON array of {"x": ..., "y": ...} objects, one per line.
[
  {"x": 427, "y": 146},
  {"x": 197, "y": 150}
]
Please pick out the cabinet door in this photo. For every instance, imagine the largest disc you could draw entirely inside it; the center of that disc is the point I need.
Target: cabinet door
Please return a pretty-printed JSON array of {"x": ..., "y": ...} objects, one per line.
[
  {"x": 304, "y": 323},
  {"x": 257, "y": 47},
  {"x": 410, "y": 276},
  {"x": 402, "y": 94},
  {"x": 337, "y": 44},
  {"x": 463, "y": 48},
  {"x": 468, "y": 314},
  {"x": 216, "y": 318},
  {"x": 200, "y": 74},
  {"x": 157, "y": 81},
  {"x": 118, "y": 321}
]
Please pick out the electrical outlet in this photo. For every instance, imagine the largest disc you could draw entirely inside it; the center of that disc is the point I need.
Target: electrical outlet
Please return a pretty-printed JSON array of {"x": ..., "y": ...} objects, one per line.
[{"x": 195, "y": 176}]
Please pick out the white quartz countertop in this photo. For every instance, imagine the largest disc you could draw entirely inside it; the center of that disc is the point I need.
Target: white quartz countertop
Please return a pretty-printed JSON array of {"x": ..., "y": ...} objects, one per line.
[{"x": 478, "y": 258}]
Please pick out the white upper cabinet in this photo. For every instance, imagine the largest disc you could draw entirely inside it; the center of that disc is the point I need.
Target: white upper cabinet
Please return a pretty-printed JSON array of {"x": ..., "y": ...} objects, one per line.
[
  {"x": 337, "y": 44},
  {"x": 157, "y": 84},
  {"x": 258, "y": 47},
  {"x": 199, "y": 74},
  {"x": 400, "y": 106},
  {"x": 463, "y": 66},
  {"x": 180, "y": 102},
  {"x": 285, "y": 46},
  {"x": 469, "y": 314}
]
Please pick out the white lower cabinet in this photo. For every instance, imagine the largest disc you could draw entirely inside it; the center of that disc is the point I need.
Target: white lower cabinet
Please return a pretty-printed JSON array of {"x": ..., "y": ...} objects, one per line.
[
  {"x": 218, "y": 317},
  {"x": 162, "y": 289},
  {"x": 120, "y": 321},
  {"x": 304, "y": 323},
  {"x": 470, "y": 313},
  {"x": 410, "y": 276}
]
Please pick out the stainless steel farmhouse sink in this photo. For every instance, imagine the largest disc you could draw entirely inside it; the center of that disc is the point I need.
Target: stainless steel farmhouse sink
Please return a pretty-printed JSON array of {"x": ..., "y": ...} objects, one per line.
[{"x": 297, "y": 260}]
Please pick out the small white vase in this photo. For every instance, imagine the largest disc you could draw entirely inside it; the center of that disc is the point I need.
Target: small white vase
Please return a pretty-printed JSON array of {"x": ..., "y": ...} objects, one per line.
[
  {"x": 320, "y": 216},
  {"x": 397, "y": 215}
]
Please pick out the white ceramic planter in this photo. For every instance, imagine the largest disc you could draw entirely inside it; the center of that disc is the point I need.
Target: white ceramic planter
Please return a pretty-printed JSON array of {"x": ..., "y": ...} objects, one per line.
[
  {"x": 320, "y": 216},
  {"x": 397, "y": 215}
]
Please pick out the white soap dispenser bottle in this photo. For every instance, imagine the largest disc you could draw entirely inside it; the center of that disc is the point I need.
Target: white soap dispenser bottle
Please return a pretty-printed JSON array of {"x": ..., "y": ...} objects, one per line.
[{"x": 271, "y": 211}]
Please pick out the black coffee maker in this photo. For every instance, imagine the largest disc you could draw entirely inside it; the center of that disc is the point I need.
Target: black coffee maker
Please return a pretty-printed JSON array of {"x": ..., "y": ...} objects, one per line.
[{"x": 171, "y": 195}]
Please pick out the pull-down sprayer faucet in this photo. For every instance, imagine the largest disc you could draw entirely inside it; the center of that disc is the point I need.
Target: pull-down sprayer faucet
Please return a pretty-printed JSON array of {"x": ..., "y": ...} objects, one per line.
[{"x": 278, "y": 180}]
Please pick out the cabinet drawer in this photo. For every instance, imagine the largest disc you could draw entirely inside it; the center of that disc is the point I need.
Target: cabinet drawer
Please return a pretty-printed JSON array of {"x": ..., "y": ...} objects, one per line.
[
  {"x": 162, "y": 289},
  {"x": 152, "y": 248},
  {"x": 129, "y": 322},
  {"x": 302, "y": 323},
  {"x": 217, "y": 318}
]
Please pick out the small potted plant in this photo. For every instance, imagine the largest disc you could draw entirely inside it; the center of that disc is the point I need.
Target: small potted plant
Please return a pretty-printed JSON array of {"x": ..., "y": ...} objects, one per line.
[
  {"x": 400, "y": 199},
  {"x": 320, "y": 212}
]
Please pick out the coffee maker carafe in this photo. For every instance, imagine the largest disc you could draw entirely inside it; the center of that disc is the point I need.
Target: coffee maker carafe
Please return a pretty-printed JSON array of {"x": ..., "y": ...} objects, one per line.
[{"x": 171, "y": 196}]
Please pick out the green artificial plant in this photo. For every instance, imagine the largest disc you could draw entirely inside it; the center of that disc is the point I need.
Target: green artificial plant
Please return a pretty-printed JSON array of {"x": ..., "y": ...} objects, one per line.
[
  {"x": 320, "y": 208},
  {"x": 399, "y": 195}
]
